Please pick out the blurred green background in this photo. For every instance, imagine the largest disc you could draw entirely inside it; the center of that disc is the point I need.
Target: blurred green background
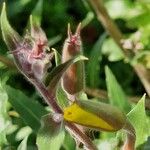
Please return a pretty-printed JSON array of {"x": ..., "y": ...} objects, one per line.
[{"x": 132, "y": 18}]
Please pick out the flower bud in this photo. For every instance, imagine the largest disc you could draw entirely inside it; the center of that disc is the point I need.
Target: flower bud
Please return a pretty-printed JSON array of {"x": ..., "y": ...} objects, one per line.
[
  {"x": 96, "y": 115},
  {"x": 74, "y": 78},
  {"x": 29, "y": 52}
]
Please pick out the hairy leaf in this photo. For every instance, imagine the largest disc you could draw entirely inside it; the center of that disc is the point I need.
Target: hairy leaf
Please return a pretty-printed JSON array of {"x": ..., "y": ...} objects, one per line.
[
  {"x": 10, "y": 36},
  {"x": 51, "y": 135},
  {"x": 56, "y": 74}
]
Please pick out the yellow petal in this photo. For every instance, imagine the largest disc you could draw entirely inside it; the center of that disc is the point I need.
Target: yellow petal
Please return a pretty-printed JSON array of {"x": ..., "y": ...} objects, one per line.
[{"x": 74, "y": 113}]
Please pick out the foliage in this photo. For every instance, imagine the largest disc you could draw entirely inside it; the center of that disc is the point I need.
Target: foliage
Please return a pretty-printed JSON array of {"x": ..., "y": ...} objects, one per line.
[{"x": 27, "y": 121}]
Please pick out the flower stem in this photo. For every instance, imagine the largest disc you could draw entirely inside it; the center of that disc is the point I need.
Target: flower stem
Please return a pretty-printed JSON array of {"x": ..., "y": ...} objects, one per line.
[
  {"x": 82, "y": 137},
  {"x": 73, "y": 129},
  {"x": 131, "y": 137}
]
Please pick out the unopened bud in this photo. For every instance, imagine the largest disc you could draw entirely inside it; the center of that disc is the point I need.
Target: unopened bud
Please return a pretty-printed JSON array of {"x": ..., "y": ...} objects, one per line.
[
  {"x": 74, "y": 78},
  {"x": 29, "y": 52},
  {"x": 96, "y": 115}
]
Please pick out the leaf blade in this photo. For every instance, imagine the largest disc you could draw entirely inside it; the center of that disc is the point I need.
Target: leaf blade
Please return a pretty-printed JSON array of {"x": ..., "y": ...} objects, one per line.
[
  {"x": 51, "y": 135},
  {"x": 137, "y": 116},
  {"x": 116, "y": 94},
  {"x": 30, "y": 111}
]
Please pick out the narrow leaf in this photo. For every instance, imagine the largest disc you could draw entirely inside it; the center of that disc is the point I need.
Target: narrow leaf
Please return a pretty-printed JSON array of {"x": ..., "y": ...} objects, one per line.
[
  {"x": 137, "y": 116},
  {"x": 61, "y": 97},
  {"x": 56, "y": 74},
  {"x": 51, "y": 135},
  {"x": 57, "y": 57},
  {"x": 29, "y": 110},
  {"x": 93, "y": 66},
  {"x": 115, "y": 93},
  {"x": 60, "y": 93},
  {"x": 37, "y": 13},
  {"x": 10, "y": 36}
]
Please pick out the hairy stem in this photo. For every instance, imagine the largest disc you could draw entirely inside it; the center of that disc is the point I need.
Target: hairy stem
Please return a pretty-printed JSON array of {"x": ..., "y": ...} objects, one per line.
[
  {"x": 48, "y": 97},
  {"x": 73, "y": 129},
  {"x": 80, "y": 136},
  {"x": 131, "y": 137},
  {"x": 116, "y": 34}
]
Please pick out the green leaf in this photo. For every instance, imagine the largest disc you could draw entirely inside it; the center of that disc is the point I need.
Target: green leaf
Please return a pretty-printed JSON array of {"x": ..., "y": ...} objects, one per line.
[
  {"x": 51, "y": 135},
  {"x": 140, "y": 20},
  {"x": 137, "y": 117},
  {"x": 16, "y": 7},
  {"x": 23, "y": 144},
  {"x": 61, "y": 97},
  {"x": 56, "y": 74},
  {"x": 69, "y": 142},
  {"x": 111, "y": 49},
  {"x": 4, "y": 118},
  {"x": 93, "y": 66},
  {"x": 23, "y": 132},
  {"x": 37, "y": 13},
  {"x": 57, "y": 57},
  {"x": 29, "y": 110},
  {"x": 10, "y": 36},
  {"x": 60, "y": 93},
  {"x": 115, "y": 93},
  {"x": 52, "y": 41}
]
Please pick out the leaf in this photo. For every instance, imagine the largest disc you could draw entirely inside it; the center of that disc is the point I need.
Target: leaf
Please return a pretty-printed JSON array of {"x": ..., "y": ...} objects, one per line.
[
  {"x": 93, "y": 66},
  {"x": 115, "y": 93},
  {"x": 111, "y": 49},
  {"x": 23, "y": 132},
  {"x": 60, "y": 93},
  {"x": 10, "y": 36},
  {"x": 69, "y": 142},
  {"x": 137, "y": 117},
  {"x": 89, "y": 17},
  {"x": 140, "y": 20},
  {"x": 4, "y": 118},
  {"x": 29, "y": 110},
  {"x": 52, "y": 41},
  {"x": 56, "y": 73},
  {"x": 57, "y": 57},
  {"x": 16, "y": 7},
  {"x": 23, "y": 144},
  {"x": 61, "y": 97},
  {"x": 96, "y": 115},
  {"x": 37, "y": 13},
  {"x": 51, "y": 135}
]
